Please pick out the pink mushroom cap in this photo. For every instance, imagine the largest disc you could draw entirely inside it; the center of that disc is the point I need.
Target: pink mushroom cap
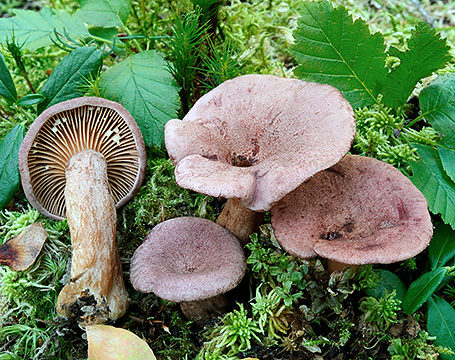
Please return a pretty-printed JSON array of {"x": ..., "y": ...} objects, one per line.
[
  {"x": 188, "y": 259},
  {"x": 257, "y": 137},
  {"x": 359, "y": 211}
]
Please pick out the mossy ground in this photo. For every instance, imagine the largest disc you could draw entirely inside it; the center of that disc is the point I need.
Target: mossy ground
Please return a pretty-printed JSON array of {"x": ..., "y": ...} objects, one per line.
[{"x": 296, "y": 310}]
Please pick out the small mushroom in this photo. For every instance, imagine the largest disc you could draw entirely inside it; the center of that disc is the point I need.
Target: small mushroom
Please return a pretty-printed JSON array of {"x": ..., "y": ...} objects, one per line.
[
  {"x": 359, "y": 211},
  {"x": 191, "y": 261},
  {"x": 81, "y": 159},
  {"x": 21, "y": 251},
  {"x": 255, "y": 138}
]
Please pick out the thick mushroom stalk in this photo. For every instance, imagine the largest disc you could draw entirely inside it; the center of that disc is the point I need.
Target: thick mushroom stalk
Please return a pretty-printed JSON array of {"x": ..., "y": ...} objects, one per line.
[
  {"x": 95, "y": 291},
  {"x": 83, "y": 159}
]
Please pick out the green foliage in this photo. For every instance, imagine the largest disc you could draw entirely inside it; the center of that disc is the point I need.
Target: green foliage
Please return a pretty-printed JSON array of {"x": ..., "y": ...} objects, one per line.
[
  {"x": 9, "y": 168},
  {"x": 105, "y": 13},
  {"x": 441, "y": 323},
  {"x": 185, "y": 50},
  {"x": 333, "y": 49},
  {"x": 66, "y": 80},
  {"x": 34, "y": 29},
  {"x": 382, "y": 311},
  {"x": 416, "y": 348},
  {"x": 426, "y": 53},
  {"x": 143, "y": 85},
  {"x": 432, "y": 180},
  {"x": 442, "y": 247},
  {"x": 286, "y": 275},
  {"x": 437, "y": 103},
  {"x": 388, "y": 283},
  {"x": 237, "y": 333},
  {"x": 7, "y": 88}
]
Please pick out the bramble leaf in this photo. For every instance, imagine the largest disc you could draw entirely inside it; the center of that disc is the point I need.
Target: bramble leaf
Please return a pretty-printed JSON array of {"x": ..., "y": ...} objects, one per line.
[
  {"x": 110, "y": 343},
  {"x": 105, "y": 13},
  {"x": 66, "y": 80},
  {"x": 421, "y": 290},
  {"x": 437, "y": 103},
  {"x": 441, "y": 324},
  {"x": 9, "y": 168},
  {"x": 333, "y": 49},
  {"x": 33, "y": 30},
  {"x": 426, "y": 53},
  {"x": 7, "y": 88},
  {"x": 442, "y": 246},
  {"x": 143, "y": 84},
  {"x": 434, "y": 183}
]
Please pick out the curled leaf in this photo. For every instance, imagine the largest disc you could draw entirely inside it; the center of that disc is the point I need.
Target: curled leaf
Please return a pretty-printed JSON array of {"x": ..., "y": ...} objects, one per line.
[
  {"x": 21, "y": 251},
  {"x": 110, "y": 343}
]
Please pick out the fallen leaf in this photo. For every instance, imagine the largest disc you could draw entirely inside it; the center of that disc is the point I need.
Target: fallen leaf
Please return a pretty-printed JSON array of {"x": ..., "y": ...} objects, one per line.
[
  {"x": 21, "y": 251},
  {"x": 110, "y": 343}
]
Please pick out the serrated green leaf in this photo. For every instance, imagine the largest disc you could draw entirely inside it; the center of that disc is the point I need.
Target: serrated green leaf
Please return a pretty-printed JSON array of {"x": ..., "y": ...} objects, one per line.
[
  {"x": 105, "y": 13},
  {"x": 333, "y": 49},
  {"x": 9, "y": 168},
  {"x": 426, "y": 53},
  {"x": 7, "y": 88},
  {"x": 442, "y": 246},
  {"x": 441, "y": 324},
  {"x": 446, "y": 149},
  {"x": 434, "y": 183},
  {"x": 437, "y": 103},
  {"x": 31, "y": 99},
  {"x": 421, "y": 290},
  {"x": 68, "y": 76},
  {"x": 145, "y": 87},
  {"x": 32, "y": 29}
]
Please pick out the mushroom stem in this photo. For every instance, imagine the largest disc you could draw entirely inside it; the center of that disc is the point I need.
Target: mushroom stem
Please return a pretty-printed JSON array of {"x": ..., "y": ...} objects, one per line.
[
  {"x": 333, "y": 265},
  {"x": 95, "y": 292},
  {"x": 239, "y": 220}
]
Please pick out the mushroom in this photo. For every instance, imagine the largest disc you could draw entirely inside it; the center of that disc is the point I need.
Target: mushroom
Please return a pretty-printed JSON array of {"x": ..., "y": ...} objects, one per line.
[
  {"x": 191, "y": 261},
  {"x": 21, "y": 251},
  {"x": 359, "y": 211},
  {"x": 81, "y": 159},
  {"x": 255, "y": 138}
]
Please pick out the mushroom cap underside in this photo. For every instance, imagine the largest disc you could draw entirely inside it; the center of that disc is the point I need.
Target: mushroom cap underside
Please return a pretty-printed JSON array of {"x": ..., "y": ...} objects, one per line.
[
  {"x": 69, "y": 127},
  {"x": 257, "y": 137},
  {"x": 188, "y": 259},
  {"x": 359, "y": 211}
]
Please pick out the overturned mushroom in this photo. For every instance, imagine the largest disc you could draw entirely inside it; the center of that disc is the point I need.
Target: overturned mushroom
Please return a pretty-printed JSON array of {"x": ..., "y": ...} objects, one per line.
[
  {"x": 81, "y": 159},
  {"x": 21, "y": 251},
  {"x": 191, "y": 261},
  {"x": 359, "y": 211},
  {"x": 254, "y": 139}
]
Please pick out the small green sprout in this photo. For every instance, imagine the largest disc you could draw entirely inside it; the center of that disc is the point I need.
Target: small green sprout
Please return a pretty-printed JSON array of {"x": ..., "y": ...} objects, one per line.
[
  {"x": 237, "y": 333},
  {"x": 381, "y": 311}
]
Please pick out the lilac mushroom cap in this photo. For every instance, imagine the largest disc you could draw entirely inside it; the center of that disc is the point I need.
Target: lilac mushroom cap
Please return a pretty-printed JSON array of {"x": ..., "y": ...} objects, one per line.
[
  {"x": 359, "y": 211},
  {"x": 187, "y": 259},
  {"x": 257, "y": 137}
]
